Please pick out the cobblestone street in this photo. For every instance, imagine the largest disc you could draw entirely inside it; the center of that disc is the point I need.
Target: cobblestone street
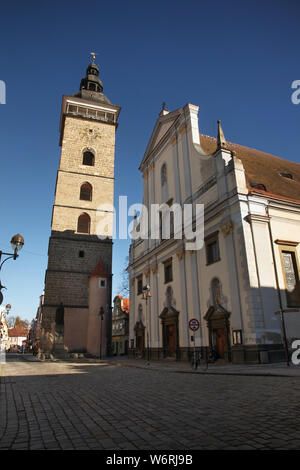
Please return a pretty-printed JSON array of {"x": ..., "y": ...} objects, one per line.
[{"x": 47, "y": 405}]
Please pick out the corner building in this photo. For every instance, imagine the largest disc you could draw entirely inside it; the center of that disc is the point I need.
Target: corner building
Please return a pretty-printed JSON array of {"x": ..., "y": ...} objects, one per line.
[
  {"x": 78, "y": 276},
  {"x": 248, "y": 267}
]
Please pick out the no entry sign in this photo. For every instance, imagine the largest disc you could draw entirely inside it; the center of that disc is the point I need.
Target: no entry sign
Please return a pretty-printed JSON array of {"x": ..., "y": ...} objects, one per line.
[{"x": 194, "y": 324}]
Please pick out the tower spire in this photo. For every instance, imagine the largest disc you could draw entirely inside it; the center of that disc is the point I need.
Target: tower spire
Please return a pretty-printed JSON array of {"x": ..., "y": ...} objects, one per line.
[
  {"x": 91, "y": 81},
  {"x": 221, "y": 141}
]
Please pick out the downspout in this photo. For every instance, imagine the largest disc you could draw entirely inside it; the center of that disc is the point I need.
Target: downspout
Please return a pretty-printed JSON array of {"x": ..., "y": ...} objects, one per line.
[{"x": 274, "y": 261}]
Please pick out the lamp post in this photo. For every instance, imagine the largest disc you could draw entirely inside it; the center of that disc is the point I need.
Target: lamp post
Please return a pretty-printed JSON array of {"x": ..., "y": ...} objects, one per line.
[
  {"x": 145, "y": 296},
  {"x": 17, "y": 243},
  {"x": 101, "y": 314}
]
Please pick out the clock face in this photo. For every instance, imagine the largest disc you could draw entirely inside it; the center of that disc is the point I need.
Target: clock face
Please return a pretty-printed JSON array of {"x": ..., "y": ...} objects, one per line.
[{"x": 90, "y": 134}]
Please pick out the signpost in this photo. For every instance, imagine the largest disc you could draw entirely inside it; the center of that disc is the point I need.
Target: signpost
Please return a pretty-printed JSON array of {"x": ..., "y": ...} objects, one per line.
[
  {"x": 281, "y": 312},
  {"x": 194, "y": 326}
]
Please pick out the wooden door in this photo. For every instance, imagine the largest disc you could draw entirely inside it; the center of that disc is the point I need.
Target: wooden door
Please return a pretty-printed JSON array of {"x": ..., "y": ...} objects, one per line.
[
  {"x": 171, "y": 335},
  {"x": 221, "y": 342}
]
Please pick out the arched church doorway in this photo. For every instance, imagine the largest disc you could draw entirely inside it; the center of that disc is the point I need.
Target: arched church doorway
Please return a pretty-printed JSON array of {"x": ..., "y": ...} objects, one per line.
[
  {"x": 170, "y": 334},
  {"x": 219, "y": 332}
]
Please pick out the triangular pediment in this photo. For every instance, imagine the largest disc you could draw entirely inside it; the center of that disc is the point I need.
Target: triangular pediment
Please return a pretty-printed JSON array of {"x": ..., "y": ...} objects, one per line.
[
  {"x": 215, "y": 312},
  {"x": 162, "y": 126},
  {"x": 169, "y": 312}
]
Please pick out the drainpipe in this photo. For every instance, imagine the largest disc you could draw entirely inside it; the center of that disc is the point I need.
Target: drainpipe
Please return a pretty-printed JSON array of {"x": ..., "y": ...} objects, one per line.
[
  {"x": 274, "y": 261},
  {"x": 279, "y": 294}
]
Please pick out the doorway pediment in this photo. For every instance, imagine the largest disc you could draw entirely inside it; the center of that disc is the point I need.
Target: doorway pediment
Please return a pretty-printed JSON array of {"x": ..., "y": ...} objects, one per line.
[
  {"x": 214, "y": 313},
  {"x": 169, "y": 313}
]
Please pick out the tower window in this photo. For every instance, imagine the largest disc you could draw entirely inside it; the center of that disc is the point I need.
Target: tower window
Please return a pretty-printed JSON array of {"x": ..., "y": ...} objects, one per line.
[
  {"x": 84, "y": 223},
  {"x": 81, "y": 254},
  {"x": 86, "y": 192},
  {"x": 88, "y": 158}
]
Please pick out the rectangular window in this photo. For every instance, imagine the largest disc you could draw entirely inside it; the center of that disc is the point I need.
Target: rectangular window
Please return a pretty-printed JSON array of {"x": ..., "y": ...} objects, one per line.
[
  {"x": 140, "y": 285},
  {"x": 212, "y": 248},
  {"x": 100, "y": 114},
  {"x": 168, "y": 271},
  {"x": 82, "y": 111},
  {"x": 237, "y": 337},
  {"x": 102, "y": 282},
  {"x": 291, "y": 276},
  {"x": 92, "y": 113},
  {"x": 72, "y": 109}
]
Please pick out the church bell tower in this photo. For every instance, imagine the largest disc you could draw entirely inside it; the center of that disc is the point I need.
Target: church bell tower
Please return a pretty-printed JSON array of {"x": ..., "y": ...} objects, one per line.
[{"x": 76, "y": 254}]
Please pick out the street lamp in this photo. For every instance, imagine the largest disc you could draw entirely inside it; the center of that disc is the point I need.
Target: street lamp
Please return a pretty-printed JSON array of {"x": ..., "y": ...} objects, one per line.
[
  {"x": 146, "y": 294},
  {"x": 17, "y": 243},
  {"x": 101, "y": 314}
]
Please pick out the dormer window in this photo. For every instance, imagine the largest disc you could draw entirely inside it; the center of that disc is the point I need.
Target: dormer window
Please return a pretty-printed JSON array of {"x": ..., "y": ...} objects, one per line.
[
  {"x": 286, "y": 175},
  {"x": 259, "y": 186}
]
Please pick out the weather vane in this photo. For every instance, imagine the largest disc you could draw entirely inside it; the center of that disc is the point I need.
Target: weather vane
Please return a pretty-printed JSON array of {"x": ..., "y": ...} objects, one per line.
[{"x": 93, "y": 54}]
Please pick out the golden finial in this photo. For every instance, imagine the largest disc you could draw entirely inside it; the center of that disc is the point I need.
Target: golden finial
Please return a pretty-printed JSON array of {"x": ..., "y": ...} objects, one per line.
[{"x": 93, "y": 54}]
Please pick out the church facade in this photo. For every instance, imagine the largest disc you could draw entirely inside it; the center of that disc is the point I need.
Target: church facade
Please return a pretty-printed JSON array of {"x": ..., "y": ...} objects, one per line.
[
  {"x": 248, "y": 266},
  {"x": 78, "y": 276}
]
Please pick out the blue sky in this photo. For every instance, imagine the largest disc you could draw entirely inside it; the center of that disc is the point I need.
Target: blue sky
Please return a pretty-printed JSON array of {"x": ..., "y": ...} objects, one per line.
[{"x": 235, "y": 59}]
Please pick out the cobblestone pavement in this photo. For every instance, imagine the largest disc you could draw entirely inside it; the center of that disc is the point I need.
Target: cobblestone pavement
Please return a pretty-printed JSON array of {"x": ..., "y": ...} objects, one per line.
[{"x": 63, "y": 405}]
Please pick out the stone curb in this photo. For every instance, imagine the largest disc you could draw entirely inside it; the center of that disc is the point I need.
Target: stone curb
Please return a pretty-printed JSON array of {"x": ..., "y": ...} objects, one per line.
[
  {"x": 208, "y": 372},
  {"x": 176, "y": 371}
]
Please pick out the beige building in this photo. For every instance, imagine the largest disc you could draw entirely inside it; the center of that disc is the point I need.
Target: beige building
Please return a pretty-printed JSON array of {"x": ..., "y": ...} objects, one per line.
[
  {"x": 76, "y": 254},
  {"x": 16, "y": 337},
  {"x": 248, "y": 267}
]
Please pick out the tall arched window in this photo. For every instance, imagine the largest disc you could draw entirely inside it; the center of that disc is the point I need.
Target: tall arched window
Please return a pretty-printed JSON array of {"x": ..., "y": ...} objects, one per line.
[
  {"x": 164, "y": 183},
  {"x": 86, "y": 192},
  {"x": 163, "y": 174},
  {"x": 84, "y": 223},
  {"x": 88, "y": 158}
]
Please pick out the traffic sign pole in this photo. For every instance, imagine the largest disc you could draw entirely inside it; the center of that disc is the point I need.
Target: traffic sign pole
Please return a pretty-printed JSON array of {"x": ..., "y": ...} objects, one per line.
[{"x": 194, "y": 326}]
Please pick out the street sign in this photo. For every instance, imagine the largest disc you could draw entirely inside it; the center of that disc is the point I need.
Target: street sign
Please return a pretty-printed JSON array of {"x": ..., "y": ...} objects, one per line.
[{"x": 194, "y": 324}]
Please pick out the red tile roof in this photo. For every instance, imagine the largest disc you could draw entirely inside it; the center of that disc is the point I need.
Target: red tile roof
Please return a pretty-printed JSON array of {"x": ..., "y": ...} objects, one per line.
[
  {"x": 15, "y": 332},
  {"x": 263, "y": 169},
  {"x": 99, "y": 270}
]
